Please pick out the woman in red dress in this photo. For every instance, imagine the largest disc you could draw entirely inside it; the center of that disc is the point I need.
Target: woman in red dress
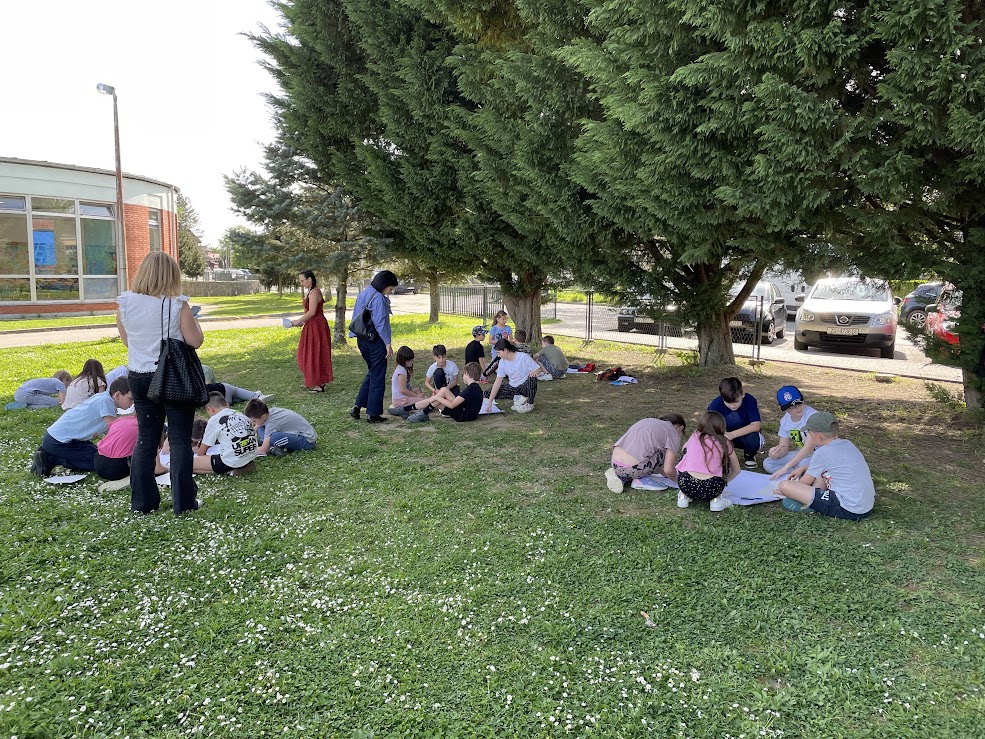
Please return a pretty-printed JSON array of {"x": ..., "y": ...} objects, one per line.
[{"x": 315, "y": 346}]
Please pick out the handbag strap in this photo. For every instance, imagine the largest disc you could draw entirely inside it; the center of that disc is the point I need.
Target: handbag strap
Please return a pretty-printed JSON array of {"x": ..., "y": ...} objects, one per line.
[{"x": 169, "y": 319}]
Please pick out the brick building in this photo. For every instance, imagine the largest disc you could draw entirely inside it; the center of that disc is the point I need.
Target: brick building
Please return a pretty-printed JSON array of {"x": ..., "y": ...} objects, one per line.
[{"x": 60, "y": 247}]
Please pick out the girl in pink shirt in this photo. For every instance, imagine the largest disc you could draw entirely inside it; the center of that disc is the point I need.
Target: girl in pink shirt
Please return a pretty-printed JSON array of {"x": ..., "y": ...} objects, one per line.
[{"x": 707, "y": 463}]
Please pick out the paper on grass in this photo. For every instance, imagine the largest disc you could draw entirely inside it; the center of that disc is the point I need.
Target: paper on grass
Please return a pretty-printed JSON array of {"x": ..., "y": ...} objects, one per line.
[
  {"x": 285, "y": 322},
  {"x": 495, "y": 409},
  {"x": 64, "y": 479},
  {"x": 750, "y": 488},
  {"x": 654, "y": 482}
]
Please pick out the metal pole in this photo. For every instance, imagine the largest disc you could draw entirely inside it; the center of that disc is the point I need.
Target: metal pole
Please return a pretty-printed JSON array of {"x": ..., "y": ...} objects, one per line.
[{"x": 120, "y": 222}]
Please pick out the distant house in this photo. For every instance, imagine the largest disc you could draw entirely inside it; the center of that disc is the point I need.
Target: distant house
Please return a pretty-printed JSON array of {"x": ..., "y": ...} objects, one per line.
[{"x": 60, "y": 247}]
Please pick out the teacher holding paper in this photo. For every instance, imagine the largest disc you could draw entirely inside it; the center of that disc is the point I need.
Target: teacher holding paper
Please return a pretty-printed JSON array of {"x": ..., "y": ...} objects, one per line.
[{"x": 315, "y": 346}]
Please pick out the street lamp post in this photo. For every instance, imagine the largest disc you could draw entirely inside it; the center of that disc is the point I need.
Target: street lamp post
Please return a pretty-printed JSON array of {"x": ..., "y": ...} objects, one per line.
[{"x": 120, "y": 224}]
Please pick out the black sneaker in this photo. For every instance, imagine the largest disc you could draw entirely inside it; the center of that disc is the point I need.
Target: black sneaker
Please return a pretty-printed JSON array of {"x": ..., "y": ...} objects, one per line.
[
  {"x": 751, "y": 463},
  {"x": 277, "y": 451},
  {"x": 41, "y": 463},
  {"x": 354, "y": 412},
  {"x": 375, "y": 419}
]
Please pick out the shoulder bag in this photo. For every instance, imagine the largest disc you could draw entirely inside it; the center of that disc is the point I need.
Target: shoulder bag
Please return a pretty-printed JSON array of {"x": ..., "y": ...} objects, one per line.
[
  {"x": 178, "y": 379},
  {"x": 362, "y": 325}
]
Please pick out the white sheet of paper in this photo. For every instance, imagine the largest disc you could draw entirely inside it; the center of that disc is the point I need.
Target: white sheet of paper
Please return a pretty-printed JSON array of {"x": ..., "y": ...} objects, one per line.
[
  {"x": 495, "y": 409},
  {"x": 285, "y": 322},
  {"x": 750, "y": 488},
  {"x": 64, "y": 479},
  {"x": 164, "y": 479},
  {"x": 647, "y": 483},
  {"x": 165, "y": 459}
]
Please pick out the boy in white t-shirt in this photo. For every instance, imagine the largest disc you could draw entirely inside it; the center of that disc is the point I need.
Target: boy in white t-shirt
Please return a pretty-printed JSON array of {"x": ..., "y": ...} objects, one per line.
[
  {"x": 235, "y": 435},
  {"x": 795, "y": 415},
  {"x": 443, "y": 372},
  {"x": 837, "y": 483}
]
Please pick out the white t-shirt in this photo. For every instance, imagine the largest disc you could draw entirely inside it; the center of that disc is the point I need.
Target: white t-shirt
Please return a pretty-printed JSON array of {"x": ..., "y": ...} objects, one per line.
[
  {"x": 79, "y": 391},
  {"x": 235, "y": 435},
  {"x": 141, "y": 316},
  {"x": 848, "y": 474},
  {"x": 794, "y": 430},
  {"x": 451, "y": 371},
  {"x": 516, "y": 370},
  {"x": 396, "y": 397}
]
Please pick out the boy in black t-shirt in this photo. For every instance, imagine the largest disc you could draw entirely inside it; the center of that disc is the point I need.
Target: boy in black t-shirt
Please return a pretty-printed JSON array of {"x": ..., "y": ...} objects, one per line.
[
  {"x": 475, "y": 352},
  {"x": 463, "y": 406}
]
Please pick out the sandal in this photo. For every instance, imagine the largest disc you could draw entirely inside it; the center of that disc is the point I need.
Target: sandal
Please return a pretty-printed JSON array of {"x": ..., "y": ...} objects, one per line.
[{"x": 317, "y": 389}]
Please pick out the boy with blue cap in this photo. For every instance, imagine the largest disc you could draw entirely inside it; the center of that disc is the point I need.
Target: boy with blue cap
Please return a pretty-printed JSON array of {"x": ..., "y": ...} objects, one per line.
[{"x": 795, "y": 415}]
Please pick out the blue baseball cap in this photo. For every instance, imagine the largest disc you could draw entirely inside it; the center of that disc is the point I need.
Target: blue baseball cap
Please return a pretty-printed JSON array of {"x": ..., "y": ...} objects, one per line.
[{"x": 787, "y": 396}]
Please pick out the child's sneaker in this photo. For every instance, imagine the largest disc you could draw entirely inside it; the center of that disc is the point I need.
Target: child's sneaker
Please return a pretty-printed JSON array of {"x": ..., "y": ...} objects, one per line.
[
  {"x": 41, "y": 464},
  {"x": 613, "y": 481},
  {"x": 397, "y": 411},
  {"x": 751, "y": 463},
  {"x": 795, "y": 505},
  {"x": 720, "y": 503},
  {"x": 519, "y": 400},
  {"x": 418, "y": 417},
  {"x": 682, "y": 500},
  {"x": 115, "y": 485},
  {"x": 525, "y": 408},
  {"x": 15, "y": 406},
  {"x": 544, "y": 377},
  {"x": 266, "y": 397}
]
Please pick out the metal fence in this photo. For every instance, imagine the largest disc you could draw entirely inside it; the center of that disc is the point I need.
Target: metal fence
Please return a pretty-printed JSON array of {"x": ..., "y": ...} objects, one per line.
[{"x": 591, "y": 317}]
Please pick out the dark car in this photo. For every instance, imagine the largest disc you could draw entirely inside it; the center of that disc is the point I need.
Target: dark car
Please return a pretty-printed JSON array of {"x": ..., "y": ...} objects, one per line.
[
  {"x": 913, "y": 309},
  {"x": 942, "y": 317},
  {"x": 646, "y": 318},
  {"x": 771, "y": 322},
  {"x": 405, "y": 288}
]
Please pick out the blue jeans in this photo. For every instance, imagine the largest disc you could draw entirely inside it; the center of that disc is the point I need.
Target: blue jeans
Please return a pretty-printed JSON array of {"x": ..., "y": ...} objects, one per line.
[
  {"x": 290, "y": 442},
  {"x": 145, "y": 496},
  {"x": 750, "y": 444},
  {"x": 371, "y": 391},
  {"x": 75, "y": 454}
]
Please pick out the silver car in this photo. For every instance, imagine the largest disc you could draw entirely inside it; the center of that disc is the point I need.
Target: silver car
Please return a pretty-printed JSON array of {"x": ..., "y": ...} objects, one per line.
[{"x": 848, "y": 312}]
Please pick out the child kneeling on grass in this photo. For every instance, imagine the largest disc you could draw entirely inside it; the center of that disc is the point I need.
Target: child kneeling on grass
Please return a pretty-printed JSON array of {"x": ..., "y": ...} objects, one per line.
[
  {"x": 650, "y": 446},
  {"x": 43, "y": 392},
  {"x": 235, "y": 435},
  {"x": 837, "y": 482},
  {"x": 280, "y": 430},
  {"x": 707, "y": 464},
  {"x": 68, "y": 441},
  {"x": 461, "y": 406}
]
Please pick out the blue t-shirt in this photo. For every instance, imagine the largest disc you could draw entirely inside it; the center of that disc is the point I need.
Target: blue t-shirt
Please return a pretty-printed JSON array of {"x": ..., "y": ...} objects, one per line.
[
  {"x": 746, "y": 413},
  {"x": 497, "y": 333},
  {"x": 43, "y": 386},
  {"x": 84, "y": 420}
]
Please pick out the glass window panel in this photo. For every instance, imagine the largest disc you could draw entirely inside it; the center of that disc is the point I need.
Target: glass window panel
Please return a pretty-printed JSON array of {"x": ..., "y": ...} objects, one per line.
[
  {"x": 97, "y": 209},
  {"x": 57, "y": 288},
  {"x": 98, "y": 247},
  {"x": 53, "y": 205},
  {"x": 12, "y": 202},
  {"x": 154, "y": 225},
  {"x": 13, "y": 245},
  {"x": 55, "y": 247},
  {"x": 97, "y": 288},
  {"x": 154, "y": 216},
  {"x": 15, "y": 289}
]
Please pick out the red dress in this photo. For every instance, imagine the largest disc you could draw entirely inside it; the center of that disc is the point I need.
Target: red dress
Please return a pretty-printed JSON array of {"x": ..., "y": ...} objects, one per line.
[{"x": 315, "y": 348}]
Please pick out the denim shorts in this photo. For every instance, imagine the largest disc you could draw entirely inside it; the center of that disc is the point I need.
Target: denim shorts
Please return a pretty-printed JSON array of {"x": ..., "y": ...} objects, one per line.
[{"x": 826, "y": 503}]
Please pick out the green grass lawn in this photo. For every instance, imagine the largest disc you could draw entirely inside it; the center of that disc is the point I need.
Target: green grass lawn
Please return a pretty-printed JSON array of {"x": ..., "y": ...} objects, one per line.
[{"x": 479, "y": 580}]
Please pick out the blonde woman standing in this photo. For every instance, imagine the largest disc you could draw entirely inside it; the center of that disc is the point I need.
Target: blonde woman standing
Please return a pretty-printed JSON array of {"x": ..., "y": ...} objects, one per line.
[{"x": 146, "y": 313}]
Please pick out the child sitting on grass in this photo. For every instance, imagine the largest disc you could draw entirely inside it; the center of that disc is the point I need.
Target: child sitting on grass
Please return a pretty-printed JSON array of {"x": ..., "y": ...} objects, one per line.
[
  {"x": 461, "y": 406},
  {"x": 707, "y": 464},
  {"x": 235, "y": 435},
  {"x": 521, "y": 342},
  {"x": 443, "y": 372},
  {"x": 403, "y": 395},
  {"x": 742, "y": 420},
  {"x": 650, "y": 446},
  {"x": 113, "y": 453},
  {"x": 837, "y": 482},
  {"x": 795, "y": 415},
  {"x": 68, "y": 441},
  {"x": 553, "y": 359},
  {"x": 280, "y": 430},
  {"x": 44, "y": 392},
  {"x": 90, "y": 380}
]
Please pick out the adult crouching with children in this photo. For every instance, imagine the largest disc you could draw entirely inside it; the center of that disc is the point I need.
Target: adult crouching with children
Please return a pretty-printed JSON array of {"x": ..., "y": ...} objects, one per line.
[{"x": 151, "y": 309}]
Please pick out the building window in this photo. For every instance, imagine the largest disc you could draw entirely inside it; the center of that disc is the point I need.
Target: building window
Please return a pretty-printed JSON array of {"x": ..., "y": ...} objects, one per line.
[{"x": 154, "y": 225}]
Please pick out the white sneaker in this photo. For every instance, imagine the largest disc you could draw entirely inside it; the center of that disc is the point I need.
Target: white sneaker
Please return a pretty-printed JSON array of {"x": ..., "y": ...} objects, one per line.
[
  {"x": 266, "y": 397},
  {"x": 613, "y": 482},
  {"x": 519, "y": 400},
  {"x": 544, "y": 377},
  {"x": 114, "y": 485},
  {"x": 682, "y": 500},
  {"x": 720, "y": 503},
  {"x": 525, "y": 408}
]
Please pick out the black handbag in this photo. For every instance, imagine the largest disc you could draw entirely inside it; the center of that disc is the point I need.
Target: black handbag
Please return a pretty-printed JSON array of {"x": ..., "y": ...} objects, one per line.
[
  {"x": 179, "y": 378},
  {"x": 362, "y": 325}
]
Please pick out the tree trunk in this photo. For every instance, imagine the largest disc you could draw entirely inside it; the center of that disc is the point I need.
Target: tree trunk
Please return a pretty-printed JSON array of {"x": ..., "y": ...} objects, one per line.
[
  {"x": 340, "y": 337},
  {"x": 973, "y": 398},
  {"x": 434, "y": 297},
  {"x": 715, "y": 342},
  {"x": 524, "y": 311}
]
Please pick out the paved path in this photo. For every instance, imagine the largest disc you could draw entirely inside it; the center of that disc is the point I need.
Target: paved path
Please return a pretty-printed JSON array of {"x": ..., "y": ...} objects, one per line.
[{"x": 909, "y": 361}]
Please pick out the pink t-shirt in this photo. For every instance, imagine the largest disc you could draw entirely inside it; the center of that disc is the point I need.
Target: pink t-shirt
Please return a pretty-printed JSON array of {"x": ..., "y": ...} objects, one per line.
[
  {"x": 120, "y": 439},
  {"x": 693, "y": 459}
]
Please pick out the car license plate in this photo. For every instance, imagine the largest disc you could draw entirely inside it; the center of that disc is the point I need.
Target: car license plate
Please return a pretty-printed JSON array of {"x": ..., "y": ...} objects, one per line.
[
  {"x": 838, "y": 331},
  {"x": 735, "y": 324}
]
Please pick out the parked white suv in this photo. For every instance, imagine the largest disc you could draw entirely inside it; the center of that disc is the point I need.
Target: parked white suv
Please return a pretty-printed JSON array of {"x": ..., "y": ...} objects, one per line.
[{"x": 848, "y": 312}]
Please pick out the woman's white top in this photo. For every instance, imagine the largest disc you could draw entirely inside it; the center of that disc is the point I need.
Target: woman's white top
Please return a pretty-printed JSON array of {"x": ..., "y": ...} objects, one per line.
[{"x": 142, "y": 318}]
